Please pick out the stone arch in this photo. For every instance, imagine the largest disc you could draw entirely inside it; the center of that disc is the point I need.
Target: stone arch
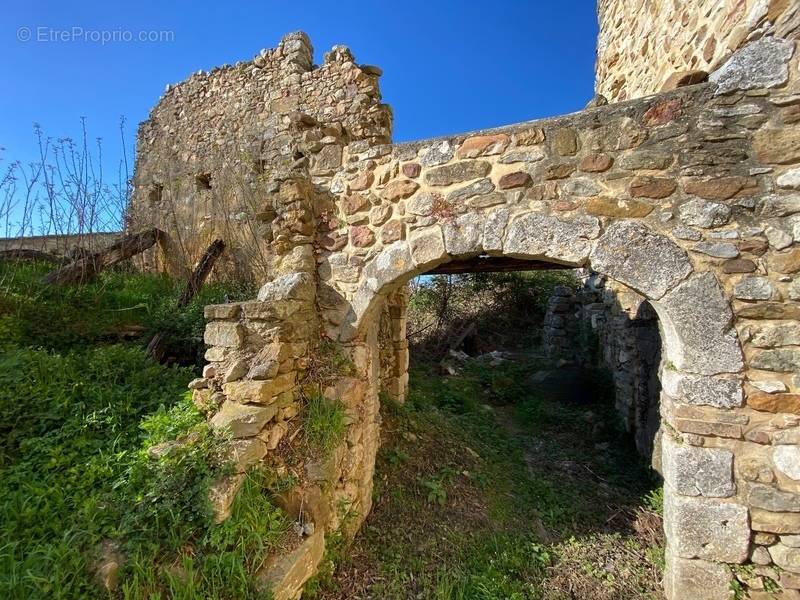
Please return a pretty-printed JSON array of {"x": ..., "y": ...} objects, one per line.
[
  {"x": 703, "y": 355},
  {"x": 686, "y": 197},
  {"x": 699, "y": 337}
]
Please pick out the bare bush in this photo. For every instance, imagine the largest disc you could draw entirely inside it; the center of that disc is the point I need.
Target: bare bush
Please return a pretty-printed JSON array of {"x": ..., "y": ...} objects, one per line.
[
  {"x": 65, "y": 190},
  {"x": 479, "y": 312}
]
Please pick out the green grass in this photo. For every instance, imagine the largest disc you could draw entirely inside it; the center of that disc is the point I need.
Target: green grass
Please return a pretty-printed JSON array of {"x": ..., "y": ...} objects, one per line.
[
  {"x": 64, "y": 318},
  {"x": 78, "y": 412},
  {"x": 462, "y": 511},
  {"x": 323, "y": 423}
]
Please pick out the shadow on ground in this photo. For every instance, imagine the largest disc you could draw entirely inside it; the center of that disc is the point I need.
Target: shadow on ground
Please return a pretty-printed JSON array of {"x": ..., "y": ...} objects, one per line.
[{"x": 510, "y": 480}]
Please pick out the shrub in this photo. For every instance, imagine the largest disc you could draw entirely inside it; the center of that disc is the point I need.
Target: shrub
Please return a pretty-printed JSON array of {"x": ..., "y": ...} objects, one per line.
[{"x": 507, "y": 309}]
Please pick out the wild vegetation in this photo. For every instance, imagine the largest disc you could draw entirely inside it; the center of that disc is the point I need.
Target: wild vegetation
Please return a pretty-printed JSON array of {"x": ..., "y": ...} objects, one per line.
[
  {"x": 103, "y": 456},
  {"x": 491, "y": 310},
  {"x": 494, "y": 483}
]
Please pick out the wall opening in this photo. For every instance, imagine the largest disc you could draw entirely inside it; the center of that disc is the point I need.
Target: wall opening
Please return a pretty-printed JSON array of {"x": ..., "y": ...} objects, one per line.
[
  {"x": 202, "y": 182},
  {"x": 503, "y": 445}
]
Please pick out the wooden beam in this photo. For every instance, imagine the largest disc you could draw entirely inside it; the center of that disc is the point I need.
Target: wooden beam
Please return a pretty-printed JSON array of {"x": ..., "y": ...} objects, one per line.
[
  {"x": 494, "y": 264},
  {"x": 86, "y": 268}
]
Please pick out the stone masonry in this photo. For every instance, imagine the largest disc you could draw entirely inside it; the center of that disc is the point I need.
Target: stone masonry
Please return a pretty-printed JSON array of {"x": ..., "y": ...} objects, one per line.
[
  {"x": 650, "y": 46},
  {"x": 689, "y": 198}
]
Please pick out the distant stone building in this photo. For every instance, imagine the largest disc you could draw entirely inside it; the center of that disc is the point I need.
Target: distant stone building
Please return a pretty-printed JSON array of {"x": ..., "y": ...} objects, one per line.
[{"x": 685, "y": 199}]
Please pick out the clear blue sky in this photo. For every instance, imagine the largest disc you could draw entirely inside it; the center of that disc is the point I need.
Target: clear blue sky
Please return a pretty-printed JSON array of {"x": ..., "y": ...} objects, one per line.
[{"x": 449, "y": 66}]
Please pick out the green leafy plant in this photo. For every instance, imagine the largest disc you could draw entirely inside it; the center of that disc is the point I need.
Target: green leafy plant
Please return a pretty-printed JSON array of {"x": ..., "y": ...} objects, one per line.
[{"x": 323, "y": 423}]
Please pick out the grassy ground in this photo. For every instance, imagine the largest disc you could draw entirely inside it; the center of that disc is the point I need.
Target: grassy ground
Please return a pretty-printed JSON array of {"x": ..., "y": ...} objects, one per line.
[
  {"x": 492, "y": 486},
  {"x": 489, "y": 485},
  {"x": 80, "y": 405}
]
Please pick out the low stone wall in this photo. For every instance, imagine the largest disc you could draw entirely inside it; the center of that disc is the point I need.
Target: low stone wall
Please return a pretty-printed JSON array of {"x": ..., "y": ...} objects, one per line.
[{"x": 61, "y": 245}]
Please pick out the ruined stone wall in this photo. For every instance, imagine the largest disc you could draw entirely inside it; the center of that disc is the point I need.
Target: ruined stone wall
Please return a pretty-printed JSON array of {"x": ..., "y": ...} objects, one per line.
[
  {"x": 393, "y": 347},
  {"x": 690, "y": 198},
  {"x": 648, "y": 46},
  {"x": 608, "y": 325},
  {"x": 211, "y": 148}
]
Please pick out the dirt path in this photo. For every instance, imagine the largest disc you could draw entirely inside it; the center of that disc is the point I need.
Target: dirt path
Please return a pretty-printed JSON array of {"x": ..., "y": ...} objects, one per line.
[{"x": 480, "y": 498}]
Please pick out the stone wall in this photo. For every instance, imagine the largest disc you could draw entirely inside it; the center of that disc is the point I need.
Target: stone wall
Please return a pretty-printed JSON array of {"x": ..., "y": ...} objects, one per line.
[
  {"x": 211, "y": 148},
  {"x": 61, "y": 245},
  {"x": 607, "y": 324},
  {"x": 648, "y": 46},
  {"x": 688, "y": 198}
]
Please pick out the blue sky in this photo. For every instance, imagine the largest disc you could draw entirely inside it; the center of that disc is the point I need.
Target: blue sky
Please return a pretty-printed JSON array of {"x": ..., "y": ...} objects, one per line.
[{"x": 449, "y": 66}]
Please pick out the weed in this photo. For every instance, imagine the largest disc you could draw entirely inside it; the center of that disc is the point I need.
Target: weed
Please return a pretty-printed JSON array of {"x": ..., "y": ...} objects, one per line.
[{"x": 323, "y": 423}]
